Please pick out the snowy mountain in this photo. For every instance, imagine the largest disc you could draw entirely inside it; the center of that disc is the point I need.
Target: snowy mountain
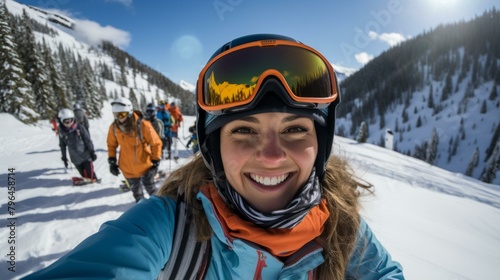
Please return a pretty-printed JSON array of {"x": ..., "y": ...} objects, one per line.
[
  {"x": 71, "y": 66},
  {"x": 438, "y": 224},
  {"x": 343, "y": 72},
  {"x": 438, "y": 95},
  {"x": 187, "y": 86}
]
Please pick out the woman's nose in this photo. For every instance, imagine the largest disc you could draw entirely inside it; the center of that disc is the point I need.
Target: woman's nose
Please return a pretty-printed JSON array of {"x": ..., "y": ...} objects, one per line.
[{"x": 270, "y": 150}]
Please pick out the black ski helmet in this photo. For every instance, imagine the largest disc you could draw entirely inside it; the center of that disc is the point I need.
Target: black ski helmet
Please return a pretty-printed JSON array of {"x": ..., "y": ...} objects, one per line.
[
  {"x": 209, "y": 135},
  {"x": 150, "y": 111}
]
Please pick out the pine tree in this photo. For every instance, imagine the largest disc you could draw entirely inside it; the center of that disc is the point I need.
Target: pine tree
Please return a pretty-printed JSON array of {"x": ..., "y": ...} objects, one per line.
[
  {"x": 447, "y": 89},
  {"x": 92, "y": 98},
  {"x": 75, "y": 79},
  {"x": 363, "y": 133},
  {"x": 102, "y": 90},
  {"x": 484, "y": 107},
  {"x": 473, "y": 162},
  {"x": 430, "y": 100},
  {"x": 16, "y": 95},
  {"x": 133, "y": 100},
  {"x": 56, "y": 77},
  {"x": 493, "y": 93},
  {"x": 493, "y": 143},
  {"x": 419, "y": 122},
  {"x": 489, "y": 172},
  {"x": 123, "y": 72},
  {"x": 382, "y": 121},
  {"x": 420, "y": 151},
  {"x": 35, "y": 69},
  {"x": 66, "y": 64},
  {"x": 157, "y": 95},
  {"x": 453, "y": 148},
  {"x": 404, "y": 116},
  {"x": 143, "y": 101},
  {"x": 433, "y": 147}
]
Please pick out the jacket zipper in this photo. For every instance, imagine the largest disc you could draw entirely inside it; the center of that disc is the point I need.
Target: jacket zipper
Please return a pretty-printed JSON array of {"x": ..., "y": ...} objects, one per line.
[{"x": 261, "y": 263}]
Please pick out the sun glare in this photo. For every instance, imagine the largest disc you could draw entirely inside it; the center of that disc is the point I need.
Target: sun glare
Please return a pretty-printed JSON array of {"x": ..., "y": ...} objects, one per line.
[{"x": 443, "y": 3}]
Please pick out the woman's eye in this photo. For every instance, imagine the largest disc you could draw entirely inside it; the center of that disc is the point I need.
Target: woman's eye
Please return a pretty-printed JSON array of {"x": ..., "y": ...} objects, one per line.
[
  {"x": 296, "y": 129},
  {"x": 242, "y": 130}
]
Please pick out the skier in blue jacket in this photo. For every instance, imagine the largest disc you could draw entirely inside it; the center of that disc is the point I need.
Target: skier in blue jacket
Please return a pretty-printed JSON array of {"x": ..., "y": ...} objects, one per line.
[
  {"x": 164, "y": 116},
  {"x": 264, "y": 194}
]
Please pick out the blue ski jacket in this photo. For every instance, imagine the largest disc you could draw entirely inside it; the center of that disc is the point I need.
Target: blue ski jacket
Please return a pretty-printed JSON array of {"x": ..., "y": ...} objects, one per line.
[{"x": 138, "y": 244}]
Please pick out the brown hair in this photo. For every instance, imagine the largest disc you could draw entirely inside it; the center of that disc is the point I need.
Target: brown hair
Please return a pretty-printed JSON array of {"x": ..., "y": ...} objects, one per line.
[
  {"x": 340, "y": 189},
  {"x": 128, "y": 126}
]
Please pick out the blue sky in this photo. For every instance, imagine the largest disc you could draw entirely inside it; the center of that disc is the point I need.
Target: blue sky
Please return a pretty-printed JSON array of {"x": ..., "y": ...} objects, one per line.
[{"x": 177, "y": 37}]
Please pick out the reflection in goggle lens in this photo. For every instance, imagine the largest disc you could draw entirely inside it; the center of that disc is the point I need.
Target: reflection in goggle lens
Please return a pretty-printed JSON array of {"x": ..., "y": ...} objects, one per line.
[
  {"x": 121, "y": 115},
  {"x": 233, "y": 77}
]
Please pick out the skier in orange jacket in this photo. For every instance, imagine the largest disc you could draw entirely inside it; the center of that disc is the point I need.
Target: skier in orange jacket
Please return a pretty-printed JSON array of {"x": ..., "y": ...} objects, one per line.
[
  {"x": 175, "y": 112},
  {"x": 140, "y": 148}
]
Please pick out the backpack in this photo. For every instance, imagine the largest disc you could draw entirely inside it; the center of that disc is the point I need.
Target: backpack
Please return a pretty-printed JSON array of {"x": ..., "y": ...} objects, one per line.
[
  {"x": 79, "y": 116},
  {"x": 189, "y": 258}
]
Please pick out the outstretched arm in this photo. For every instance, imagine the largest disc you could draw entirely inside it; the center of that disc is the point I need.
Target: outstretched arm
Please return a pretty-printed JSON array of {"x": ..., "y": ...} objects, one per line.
[
  {"x": 135, "y": 246},
  {"x": 370, "y": 260}
]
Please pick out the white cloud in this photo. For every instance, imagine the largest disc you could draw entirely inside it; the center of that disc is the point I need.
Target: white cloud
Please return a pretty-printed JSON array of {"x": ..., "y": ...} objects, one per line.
[
  {"x": 363, "y": 57},
  {"x": 392, "y": 39},
  {"x": 93, "y": 33}
]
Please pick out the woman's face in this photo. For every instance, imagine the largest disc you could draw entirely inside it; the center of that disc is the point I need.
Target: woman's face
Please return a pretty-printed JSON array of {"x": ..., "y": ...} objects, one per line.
[{"x": 267, "y": 157}]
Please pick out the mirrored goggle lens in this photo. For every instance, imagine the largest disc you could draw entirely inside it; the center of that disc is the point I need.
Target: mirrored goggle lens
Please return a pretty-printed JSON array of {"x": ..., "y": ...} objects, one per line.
[
  {"x": 121, "y": 115},
  {"x": 68, "y": 121},
  {"x": 233, "y": 79}
]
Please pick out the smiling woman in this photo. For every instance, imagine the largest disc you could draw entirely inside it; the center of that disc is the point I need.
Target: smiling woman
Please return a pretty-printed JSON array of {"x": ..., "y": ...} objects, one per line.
[{"x": 263, "y": 199}]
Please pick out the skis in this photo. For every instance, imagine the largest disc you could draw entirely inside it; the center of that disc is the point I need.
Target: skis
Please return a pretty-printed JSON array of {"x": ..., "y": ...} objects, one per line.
[
  {"x": 125, "y": 186},
  {"x": 79, "y": 181}
]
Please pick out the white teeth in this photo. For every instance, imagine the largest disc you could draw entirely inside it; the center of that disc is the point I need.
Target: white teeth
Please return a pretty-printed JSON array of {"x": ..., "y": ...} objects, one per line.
[{"x": 268, "y": 181}]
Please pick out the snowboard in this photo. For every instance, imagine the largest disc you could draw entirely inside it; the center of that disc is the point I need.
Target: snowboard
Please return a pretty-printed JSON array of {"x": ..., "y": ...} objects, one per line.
[
  {"x": 124, "y": 187},
  {"x": 79, "y": 181}
]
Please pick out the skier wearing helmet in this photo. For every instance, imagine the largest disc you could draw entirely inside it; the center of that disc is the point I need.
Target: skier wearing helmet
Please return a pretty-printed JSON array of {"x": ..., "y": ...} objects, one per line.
[
  {"x": 265, "y": 199},
  {"x": 140, "y": 148},
  {"x": 76, "y": 139},
  {"x": 150, "y": 115}
]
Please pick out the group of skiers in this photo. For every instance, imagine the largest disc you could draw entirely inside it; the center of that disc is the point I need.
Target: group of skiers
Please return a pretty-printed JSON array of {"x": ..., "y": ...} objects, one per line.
[{"x": 144, "y": 139}]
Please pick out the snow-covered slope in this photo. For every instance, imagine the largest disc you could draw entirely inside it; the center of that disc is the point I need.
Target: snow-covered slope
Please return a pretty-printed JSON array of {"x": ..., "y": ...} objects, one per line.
[{"x": 438, "y": 224}]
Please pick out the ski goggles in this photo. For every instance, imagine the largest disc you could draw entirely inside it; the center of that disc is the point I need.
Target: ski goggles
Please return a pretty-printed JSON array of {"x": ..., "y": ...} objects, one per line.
[
  {"x": 231, "y": 80},
  {"x": 121, "y": 115},
  {"x": 68, "y": 121}
]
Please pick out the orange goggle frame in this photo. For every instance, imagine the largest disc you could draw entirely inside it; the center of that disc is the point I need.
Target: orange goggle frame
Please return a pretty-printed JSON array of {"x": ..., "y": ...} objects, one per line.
[
  {"x": 232, "y": 79},
  {"x": 121, "y": 115}
]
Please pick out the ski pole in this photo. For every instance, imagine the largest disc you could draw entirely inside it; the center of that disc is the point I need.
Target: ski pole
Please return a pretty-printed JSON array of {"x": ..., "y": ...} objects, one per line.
[
  {"x": 179, "y": 140},
  {"x": 126, "y": 182},
  {"x": 170, "y": 164}
]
